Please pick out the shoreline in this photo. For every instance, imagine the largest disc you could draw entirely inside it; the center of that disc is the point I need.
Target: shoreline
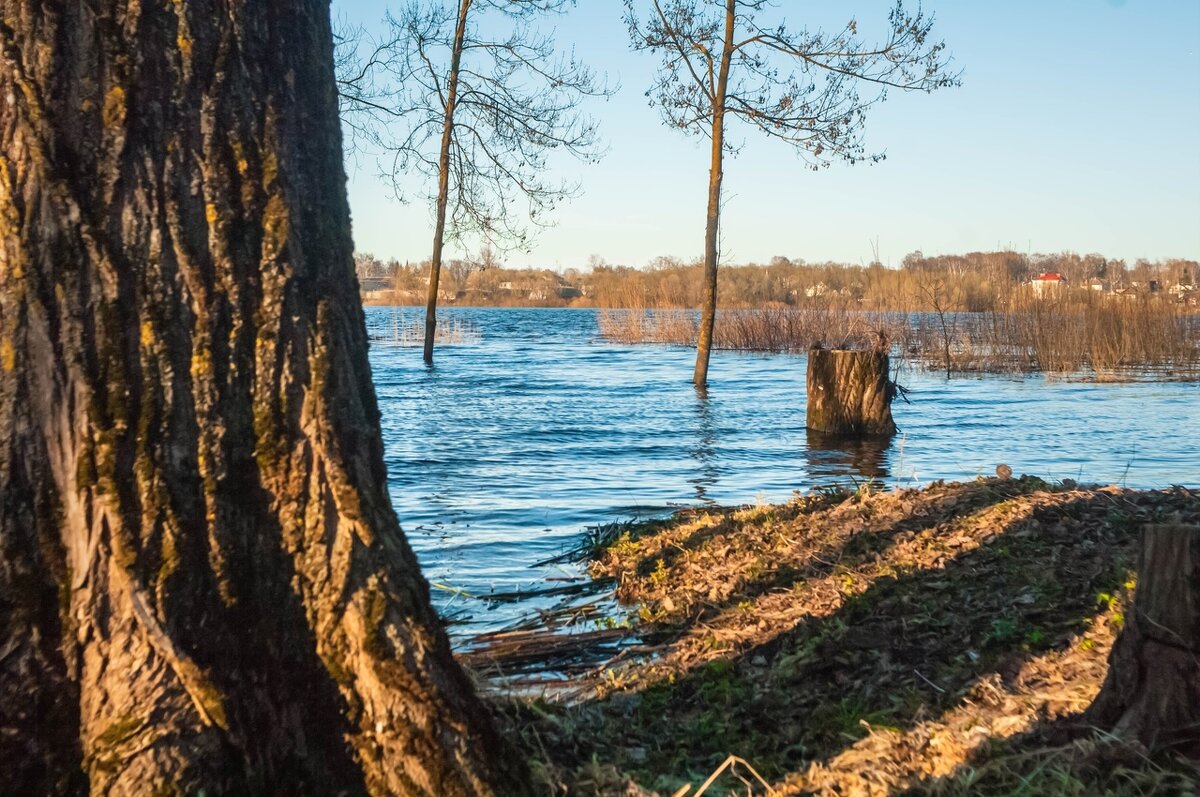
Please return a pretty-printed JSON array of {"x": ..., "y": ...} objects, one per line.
[{"x": 938, "y": 640}]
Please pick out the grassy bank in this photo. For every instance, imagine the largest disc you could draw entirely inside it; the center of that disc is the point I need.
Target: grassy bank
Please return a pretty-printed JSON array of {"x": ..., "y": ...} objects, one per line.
[{"x": 934, "y": 641}]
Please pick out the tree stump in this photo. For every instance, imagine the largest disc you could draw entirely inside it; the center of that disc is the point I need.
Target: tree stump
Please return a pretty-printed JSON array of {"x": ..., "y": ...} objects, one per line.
[
  {"x": 1152, "y": 691},
  {"x": 850, "y": 393}
]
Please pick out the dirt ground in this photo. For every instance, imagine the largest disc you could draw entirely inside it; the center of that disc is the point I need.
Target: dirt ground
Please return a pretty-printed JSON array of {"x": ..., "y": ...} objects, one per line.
[{"x": 940, "y": 641}]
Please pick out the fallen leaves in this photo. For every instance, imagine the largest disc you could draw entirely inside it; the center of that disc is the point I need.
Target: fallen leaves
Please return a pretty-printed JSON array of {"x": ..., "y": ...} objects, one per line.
[{"x": 863, "y": 643}]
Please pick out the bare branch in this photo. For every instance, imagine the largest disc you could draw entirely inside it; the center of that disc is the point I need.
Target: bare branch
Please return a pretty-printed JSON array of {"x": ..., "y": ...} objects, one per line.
[
  {"x": 721, "y": 62},
  {"x": 517, "y": 99},
  {"x": 796, "y": 85}
]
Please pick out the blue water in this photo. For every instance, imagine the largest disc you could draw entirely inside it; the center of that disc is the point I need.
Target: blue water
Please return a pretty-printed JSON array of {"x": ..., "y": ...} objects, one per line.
[{"x": 502, "y": 454}]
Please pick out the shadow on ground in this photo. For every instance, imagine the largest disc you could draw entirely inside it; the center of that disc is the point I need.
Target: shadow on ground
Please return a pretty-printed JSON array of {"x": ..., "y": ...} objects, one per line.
[
  {"x": 1061, "y": 757},
  {"x": 891, "y": 622}
]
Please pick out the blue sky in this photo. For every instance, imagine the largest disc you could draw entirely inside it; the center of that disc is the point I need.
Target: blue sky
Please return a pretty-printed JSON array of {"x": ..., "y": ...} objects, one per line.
[{"x": 1077, "y": 128}]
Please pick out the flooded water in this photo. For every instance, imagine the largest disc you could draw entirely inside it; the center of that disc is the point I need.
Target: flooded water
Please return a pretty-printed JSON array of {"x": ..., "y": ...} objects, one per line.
[{"x": 502, "y": 454}]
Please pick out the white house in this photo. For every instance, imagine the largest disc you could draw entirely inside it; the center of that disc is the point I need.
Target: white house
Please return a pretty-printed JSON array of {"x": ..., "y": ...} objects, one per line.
[{"x": 1049, "y": 281}]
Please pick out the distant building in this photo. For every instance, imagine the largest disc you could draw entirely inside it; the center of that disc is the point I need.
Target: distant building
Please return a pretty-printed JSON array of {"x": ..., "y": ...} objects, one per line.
[
  {"x": 373, "y": 284},
  {"x": 1184, "y": 293},
  {"x": 376, "y": 290},
  {"x": 1049, "y": 281}
]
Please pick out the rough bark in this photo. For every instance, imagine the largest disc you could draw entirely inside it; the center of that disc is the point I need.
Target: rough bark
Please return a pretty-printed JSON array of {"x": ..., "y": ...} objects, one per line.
[
  {"x": 202, "y": 582},
  {"x": 708, "y": 310},
  {"x": 849, "y": 393},
  {"x": 1152, "y": 691}
]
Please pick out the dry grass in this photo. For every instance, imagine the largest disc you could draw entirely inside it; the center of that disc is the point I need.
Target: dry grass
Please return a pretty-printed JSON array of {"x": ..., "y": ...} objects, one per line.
[
  {"x": 1112, "y": 337},
  {"x": 939, "y": 641},
  {"x": 771, "y": 329},
  {"x": 402, "y": 328},
  {"x": 1080, "y": 332}
]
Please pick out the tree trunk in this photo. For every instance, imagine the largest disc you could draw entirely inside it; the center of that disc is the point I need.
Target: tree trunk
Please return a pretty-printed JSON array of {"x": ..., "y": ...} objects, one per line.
[
  {"x": 1152, "y": 692},
  {"x": 849, "y": 393},
  {"x": 202, "y": 582},
  {"x": 708, "y": 311},
  {"x": 443, "y": 197}
]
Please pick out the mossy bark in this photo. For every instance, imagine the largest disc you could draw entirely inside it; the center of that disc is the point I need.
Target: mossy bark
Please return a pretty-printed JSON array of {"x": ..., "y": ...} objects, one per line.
[
  {"x": 849, "y": 393},
  {"x": 202, "y": 582},
  {"x": 1152, "y": 691}
]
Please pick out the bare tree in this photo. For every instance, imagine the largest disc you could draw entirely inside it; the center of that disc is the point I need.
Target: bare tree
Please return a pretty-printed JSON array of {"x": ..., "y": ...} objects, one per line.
[
  {"x": 936, "y": 293},
  {"x": 487, "y": 257},
  {"x": 203, "y": 585},
  {"x": 721, "y": 61},
  {"x": 443, "y": 96},
  {"x": 367, "y": 266}
]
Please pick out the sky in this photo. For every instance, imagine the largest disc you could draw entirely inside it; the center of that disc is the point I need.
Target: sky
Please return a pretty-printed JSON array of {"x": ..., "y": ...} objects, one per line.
[{"x": 1076, "y": 128}]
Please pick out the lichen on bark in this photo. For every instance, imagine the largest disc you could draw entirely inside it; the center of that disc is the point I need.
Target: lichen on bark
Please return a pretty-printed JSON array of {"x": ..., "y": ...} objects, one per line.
[{"x": 202, "y": 581}]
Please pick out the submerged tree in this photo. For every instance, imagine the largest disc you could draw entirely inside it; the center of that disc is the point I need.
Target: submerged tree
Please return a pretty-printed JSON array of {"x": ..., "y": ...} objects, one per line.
[
  {"x": 203, "y": 585},
  {"x": 476, "y": 112},
  {"x": 720, "y": 61}
]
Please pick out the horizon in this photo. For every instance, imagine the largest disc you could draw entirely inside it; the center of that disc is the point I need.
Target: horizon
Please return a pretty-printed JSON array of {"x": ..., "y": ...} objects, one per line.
[
  {"x": 1083, "y": 144},
  {"x": 1034, "y": 260}
]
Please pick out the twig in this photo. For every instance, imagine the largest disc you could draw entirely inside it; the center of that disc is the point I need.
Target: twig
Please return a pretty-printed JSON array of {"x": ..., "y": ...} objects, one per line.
[
  {"x": 931, "y": 683},
  {"x": 728, "y": 763}
]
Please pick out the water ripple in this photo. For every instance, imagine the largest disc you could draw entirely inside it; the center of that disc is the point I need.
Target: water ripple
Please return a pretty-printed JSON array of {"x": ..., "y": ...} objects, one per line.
[{"x": 500, "y": 455}]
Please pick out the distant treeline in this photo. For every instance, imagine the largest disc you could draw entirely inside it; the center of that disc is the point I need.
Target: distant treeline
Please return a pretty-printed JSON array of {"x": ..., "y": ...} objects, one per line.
[{"x": 973, "y": 282}]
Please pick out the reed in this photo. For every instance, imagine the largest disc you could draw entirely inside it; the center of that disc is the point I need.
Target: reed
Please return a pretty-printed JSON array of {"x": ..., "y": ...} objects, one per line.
[
  {"x": 403, "y": 329},
  {"x": 1111, "y": 337},
  {"x": 778, "y": 329}
]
